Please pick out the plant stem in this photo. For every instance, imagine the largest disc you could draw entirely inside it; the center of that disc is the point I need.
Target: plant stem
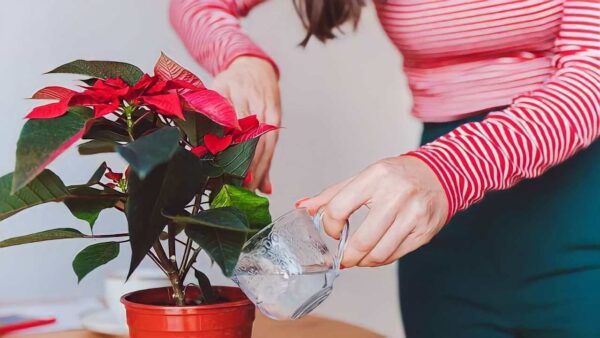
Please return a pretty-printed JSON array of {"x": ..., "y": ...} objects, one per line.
[
  {"x": 155, "y": 260},
  {"x": 171, "y": 242},
  {"x": 141, "y": 118},
  {"x": 186, "y": 255},
  {"x": 188, "y": 244},
  {"x": 171, "y": 271},
  {"x": 189, "y": 264},
  {"x": 129, "y": 115}
]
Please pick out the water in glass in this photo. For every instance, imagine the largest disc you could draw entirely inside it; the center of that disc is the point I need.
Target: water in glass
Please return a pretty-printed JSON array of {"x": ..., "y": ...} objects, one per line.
[{"x": 287, "y": 269}]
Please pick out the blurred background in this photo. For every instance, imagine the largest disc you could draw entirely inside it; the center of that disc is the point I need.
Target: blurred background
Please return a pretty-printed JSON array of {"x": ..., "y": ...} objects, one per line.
[{"x": 345, "y": 106}]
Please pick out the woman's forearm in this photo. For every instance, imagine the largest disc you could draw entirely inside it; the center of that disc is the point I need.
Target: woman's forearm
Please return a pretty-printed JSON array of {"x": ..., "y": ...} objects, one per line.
[
  {"x": 541, "y": 129},
  {"x": 210, "y": 30}
]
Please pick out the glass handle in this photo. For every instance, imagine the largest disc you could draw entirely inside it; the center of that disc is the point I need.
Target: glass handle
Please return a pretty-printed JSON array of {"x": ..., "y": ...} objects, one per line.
[{"x": 318, "y": 220}]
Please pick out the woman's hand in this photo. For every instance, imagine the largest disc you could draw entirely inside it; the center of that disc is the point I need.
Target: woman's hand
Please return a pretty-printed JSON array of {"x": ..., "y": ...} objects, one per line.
[
  {"x": 251, "y": 85},
  {"x": 407, "y": 205}
]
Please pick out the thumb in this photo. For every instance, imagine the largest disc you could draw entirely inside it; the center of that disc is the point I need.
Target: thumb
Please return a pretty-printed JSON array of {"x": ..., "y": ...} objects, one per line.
[{"x": 313, "y": 204}]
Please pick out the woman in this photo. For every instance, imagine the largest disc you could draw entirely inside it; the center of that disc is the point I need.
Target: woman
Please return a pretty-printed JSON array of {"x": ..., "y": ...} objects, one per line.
[{"x": 509, "y": 91}]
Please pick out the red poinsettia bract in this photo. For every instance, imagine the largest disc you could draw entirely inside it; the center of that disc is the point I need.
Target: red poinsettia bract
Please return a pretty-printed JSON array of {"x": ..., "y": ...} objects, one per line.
[
  {"x": 250, "y": 128},
  {"x": 169, "y": 97}
]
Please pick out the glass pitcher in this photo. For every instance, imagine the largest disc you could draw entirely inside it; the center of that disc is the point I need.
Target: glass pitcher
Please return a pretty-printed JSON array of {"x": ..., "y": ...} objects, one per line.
[{"x": 287, "y": 269}]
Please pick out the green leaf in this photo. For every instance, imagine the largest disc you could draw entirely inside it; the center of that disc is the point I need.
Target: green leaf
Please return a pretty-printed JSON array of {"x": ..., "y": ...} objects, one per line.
[
  {"x": 42, "y": 140},
  {"x": 256, "y": 208},
  {"x": 195, "y": 126},
  {"x": 89, "y": 81},
  {"x": 208, "y": 294},
  {"x": 227, "y": 218},
  {"x": 97, "y": 147},
  {"x": 107, "y": 130},
  {"x": 223, "y": 246},
  {"x": 151, "y": 150},
  {"x": 169, "y": 187},
  {"x": 235, "y": 160},
  {"x": 220, "y": 232},
  {"x": 178, "y": 229},
  {"x": 46, "y": 187},
  {"x": 86, "y": 203},
  {"x": 102, "y": 69},
  {"x": 94, "y": 256},
  {"x": 48, "y": 235}
]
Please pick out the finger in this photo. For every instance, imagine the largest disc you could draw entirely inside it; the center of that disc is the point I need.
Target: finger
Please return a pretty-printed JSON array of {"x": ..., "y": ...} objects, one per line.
[
  {"x": 427, "y": 224},
  {"x": 258, "y": 163},
  {"x": 257, "y": 103},
  {"x": 264, "y": 163},
  {"x": 273, "y": 111},
  {"x": 369, "y": 234},
  {"x": 258, "y": 152},
  {"x": 257, "y": 106},
  {"x": 314, "y": 203},
  {"x": 240, "y": 104},
  {"x": 411, "y": 243},
  {"x": 349, "y": 199},
  {"x": 237, "y": 99},
  {"x": 390, "y": 242},
  {"x": 266, "y": 186},
  {"x": 239, "y": 96}
]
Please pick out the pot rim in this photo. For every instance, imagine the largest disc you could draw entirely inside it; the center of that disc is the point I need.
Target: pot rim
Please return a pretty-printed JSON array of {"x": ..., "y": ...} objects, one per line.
[{"x": 229, "y": 304}]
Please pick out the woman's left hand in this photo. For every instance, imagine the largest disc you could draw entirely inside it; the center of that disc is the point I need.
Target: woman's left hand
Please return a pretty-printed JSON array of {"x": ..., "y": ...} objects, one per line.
[{"x": 407, "y": 205}]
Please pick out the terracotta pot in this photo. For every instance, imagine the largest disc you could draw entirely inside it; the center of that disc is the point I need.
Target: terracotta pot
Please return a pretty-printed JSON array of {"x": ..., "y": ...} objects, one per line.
[{"x": 147, "y": 319}]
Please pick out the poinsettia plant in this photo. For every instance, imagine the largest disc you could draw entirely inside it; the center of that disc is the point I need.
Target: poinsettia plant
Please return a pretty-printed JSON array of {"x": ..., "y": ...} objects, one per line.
[{"x": 188, "y": 157}]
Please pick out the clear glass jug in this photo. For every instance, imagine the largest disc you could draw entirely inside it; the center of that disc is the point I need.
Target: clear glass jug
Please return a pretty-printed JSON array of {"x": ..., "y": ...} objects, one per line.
[{"x": 287, "y": 269}]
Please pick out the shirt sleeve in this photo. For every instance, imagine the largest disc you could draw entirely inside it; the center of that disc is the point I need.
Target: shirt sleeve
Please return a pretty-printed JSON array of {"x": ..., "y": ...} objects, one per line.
[
  {"x": 211, "y": 31},
  {"x": 540, "y": 129}
]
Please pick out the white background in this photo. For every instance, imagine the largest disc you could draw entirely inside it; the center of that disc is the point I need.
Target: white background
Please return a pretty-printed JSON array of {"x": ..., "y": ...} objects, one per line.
[{"x": 345, "y": 106}]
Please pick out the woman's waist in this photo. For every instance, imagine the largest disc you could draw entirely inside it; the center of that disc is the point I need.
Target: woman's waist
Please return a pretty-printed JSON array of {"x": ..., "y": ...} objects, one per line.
[{"x": 453, "y": 92}]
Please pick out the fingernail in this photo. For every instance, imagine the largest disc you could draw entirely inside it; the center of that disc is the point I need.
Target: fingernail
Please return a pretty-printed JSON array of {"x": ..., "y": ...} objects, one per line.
[
  {"x": 268, "y": 188},
  {"x": 249, "y": 178},
  {"x": 300, "y": 201}
]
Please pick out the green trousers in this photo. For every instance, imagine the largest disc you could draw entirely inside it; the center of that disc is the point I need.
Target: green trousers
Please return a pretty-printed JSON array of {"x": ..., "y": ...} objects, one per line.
[{"x": 524, "y": 262}]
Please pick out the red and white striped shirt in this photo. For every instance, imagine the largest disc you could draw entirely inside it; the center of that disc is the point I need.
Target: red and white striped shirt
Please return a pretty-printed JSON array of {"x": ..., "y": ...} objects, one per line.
[{"x": 540, "y": 57}]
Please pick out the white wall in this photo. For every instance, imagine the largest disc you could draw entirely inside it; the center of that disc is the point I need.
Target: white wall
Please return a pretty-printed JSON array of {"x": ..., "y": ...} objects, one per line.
[{"x": 345, "y": 105}]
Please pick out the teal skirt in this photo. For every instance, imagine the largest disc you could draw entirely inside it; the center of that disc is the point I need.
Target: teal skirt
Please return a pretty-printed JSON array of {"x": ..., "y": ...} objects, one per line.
[{"x": 524, "y": 262}]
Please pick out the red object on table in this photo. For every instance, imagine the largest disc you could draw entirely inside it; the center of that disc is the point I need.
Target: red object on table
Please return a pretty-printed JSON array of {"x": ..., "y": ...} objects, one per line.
[
  {"x": 16, "y": 323},
  {"x": 232, "y": 318}
]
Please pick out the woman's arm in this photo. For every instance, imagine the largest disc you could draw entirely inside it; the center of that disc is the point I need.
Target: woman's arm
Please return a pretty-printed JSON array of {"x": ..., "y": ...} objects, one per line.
[
  {"x": 409, "y": 205},
  {"x": 540, "y": 129},
  {"x": 210, "y": 29},
  {"x": 244, "y": 74}
]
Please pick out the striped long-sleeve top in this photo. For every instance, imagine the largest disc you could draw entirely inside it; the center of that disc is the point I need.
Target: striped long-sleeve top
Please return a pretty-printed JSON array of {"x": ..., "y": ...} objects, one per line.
[{"x": 541, "y": 58}]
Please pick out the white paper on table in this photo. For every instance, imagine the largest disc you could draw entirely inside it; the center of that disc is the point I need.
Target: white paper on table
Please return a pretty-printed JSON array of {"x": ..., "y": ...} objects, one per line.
[{"x": 67, "y": 313}]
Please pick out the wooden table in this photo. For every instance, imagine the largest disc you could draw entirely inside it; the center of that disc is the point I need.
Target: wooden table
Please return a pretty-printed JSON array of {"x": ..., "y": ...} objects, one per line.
[{"x": 311, "y": 326}]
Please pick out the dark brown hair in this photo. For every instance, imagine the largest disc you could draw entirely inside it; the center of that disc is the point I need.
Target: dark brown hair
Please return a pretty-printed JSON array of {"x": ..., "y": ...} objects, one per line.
[{"x": 321, "y": 17}]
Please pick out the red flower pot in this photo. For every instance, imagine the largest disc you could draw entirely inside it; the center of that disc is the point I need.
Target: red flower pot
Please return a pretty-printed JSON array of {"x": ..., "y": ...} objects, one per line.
[{"x": 147, "y": 318}]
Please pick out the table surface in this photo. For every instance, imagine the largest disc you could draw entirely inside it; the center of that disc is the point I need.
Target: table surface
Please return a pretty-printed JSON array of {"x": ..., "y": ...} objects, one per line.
[{"x": 310, "y": 326}]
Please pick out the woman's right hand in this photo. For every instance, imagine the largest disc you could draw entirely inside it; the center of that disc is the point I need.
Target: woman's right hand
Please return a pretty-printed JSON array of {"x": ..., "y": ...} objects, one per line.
[{"x": 251, "y": 84}]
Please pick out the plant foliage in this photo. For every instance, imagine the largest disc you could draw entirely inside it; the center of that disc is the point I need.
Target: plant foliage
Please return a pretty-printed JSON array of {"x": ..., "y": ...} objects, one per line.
[{"x": 187, "y": 155}]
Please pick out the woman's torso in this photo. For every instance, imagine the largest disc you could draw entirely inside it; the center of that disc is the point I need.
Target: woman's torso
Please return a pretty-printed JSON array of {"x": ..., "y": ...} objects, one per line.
[{"x": 462, "y": 56}]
